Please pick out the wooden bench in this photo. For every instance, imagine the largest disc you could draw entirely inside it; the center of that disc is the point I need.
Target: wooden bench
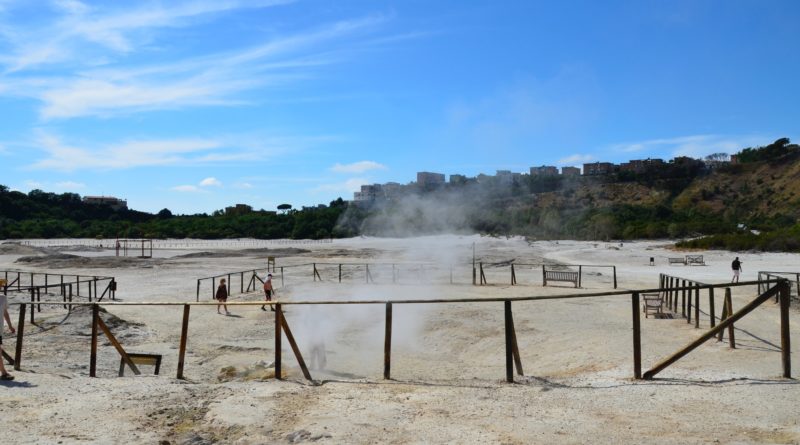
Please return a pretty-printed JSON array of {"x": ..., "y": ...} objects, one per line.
[
  {"x": 141, "y": 359},
  {"x": 676, "y": 261},
  {"x": 695, "y": 260},
  {"x": 558, "y": 275},
  {"x": 652, "y": 303}
]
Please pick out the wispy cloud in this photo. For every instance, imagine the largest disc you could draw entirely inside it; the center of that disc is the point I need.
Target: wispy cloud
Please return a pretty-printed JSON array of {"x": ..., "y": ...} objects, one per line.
[
  {"x": 243, "y": 185},
  {"x": 64, "y": 156},
  {"x": 697, "y": 146},
  {"x": 357, "y": 167},
  {"x": 575, "y": 159},
  {"x": 211, "y": 182},
  {"x": 130, "y": 154},
  {"x": 187, "y": 189},
  {"x": 76, "y": 23},
  {"x": 70, "y": 185},
  {"x": 349, "y": 186},
  {"x": 84, "y": 37}
]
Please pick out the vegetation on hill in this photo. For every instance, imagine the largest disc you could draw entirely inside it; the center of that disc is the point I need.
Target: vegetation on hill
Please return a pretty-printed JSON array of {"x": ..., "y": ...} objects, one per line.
[
  {"x": 48, "y": 215},
  {"x": 751, "y": 204}
]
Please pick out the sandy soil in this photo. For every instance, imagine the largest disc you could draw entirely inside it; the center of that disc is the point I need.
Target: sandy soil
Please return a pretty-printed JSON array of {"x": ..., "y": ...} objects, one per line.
[{"x": 448, "y": 363}]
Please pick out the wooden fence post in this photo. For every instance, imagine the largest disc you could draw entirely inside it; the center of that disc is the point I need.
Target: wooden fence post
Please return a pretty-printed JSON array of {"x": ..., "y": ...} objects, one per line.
[
  {"x": 387, "y": 344},
  {"x": 711, "y": 309},
  {"x": 184, "y": 335},
  {"x": 615, "y": 276},
  {"x": 294, "y": 347},
  {"x": 697, "y": 306},
  {"x": 509, "y": 353},
  {"x": 20, "y": 332},
  {"x": 786, "y": 358},
  {"x": 637, "y": 337},
  {"x": 278, "y": 315},
  {"x": 729, "y": 302},
  {"x": 93, "y": 355}
]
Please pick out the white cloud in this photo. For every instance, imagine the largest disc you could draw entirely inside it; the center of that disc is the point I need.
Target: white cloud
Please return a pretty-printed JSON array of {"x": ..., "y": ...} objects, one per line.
[
  {"x": 70, "y": 185},
  {"x": 211, "y": 182},
  {"x": 211, "y": 80},
  {"x": 575, "y": 159},
  {"x": 349, "y": 186},
  {"x": 33, "y": 184},
  {"x": 243, "y": 185},
  {"x": 187, "y": 188},
  {"x": 130, "y": 154},
  {"x": 697, "y": 146},
  {"x": 358, "y": 167},
  {"x": 64, "y": 156}
]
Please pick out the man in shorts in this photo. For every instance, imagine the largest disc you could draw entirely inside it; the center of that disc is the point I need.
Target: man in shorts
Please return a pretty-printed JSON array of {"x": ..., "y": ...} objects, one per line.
[
  {"x": 736, "y": 265},
  {"x": 4, "y": 309},
  {"x": 268, "y": 291}
]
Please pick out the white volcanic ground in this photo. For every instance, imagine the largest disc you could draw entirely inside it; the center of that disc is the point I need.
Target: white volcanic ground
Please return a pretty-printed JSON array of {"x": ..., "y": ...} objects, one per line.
[{"x": 448, "y": 365}]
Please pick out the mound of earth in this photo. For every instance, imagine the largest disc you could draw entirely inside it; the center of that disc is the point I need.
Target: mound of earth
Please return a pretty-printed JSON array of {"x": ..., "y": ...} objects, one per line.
[
  {"x": 80, "y": 248},
  {"x": 65, "y": 260},
  {"x": 289, "y": 251},
  {"x": 14, "y": 248}
]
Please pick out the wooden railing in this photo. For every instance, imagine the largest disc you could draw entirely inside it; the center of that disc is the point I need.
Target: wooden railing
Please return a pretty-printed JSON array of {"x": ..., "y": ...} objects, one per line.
[
  {"x": 512, "y": 355},
  {"x": 410, "y": 273},
  {"x": 25, "y": 281}
]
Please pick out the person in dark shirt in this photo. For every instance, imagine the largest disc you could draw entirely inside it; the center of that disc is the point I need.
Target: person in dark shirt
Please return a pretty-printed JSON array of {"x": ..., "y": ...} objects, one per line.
[
  {"x": 736, "y": 265},
  {"x": 222, "y": 296}
]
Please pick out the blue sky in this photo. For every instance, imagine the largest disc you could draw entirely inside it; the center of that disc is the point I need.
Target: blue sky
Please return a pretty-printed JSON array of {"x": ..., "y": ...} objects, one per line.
[{"x": 195, "y": 105}]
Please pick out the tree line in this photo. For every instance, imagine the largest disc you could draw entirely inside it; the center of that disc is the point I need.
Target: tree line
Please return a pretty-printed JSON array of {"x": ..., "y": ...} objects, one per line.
[{"x": 39, "y": 214}]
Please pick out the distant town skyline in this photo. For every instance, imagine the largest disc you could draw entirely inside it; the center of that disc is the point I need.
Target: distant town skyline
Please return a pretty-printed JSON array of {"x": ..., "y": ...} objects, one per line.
[{"x": 195, "y": 106}]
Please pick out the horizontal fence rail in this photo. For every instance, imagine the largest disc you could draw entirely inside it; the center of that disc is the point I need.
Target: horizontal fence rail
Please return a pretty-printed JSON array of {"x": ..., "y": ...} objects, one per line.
[
  {"x": 242, "y": 282},
  {"x": 25, "y": 282},
  {"x": 793, "y": 277},
  {"x": 512, "y": 355},
  {"x": 173, "y": 243}
]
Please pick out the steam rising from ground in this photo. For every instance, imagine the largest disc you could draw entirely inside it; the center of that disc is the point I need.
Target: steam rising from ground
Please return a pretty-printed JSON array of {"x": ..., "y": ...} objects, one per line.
[{"x": 422, "y": 266}]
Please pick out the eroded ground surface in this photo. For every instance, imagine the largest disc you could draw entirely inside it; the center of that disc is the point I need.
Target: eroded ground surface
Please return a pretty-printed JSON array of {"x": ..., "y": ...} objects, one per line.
[{"x": 448, "y": 360}]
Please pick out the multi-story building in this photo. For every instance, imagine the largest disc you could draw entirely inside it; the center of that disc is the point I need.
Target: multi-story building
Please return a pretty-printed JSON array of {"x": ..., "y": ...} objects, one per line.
[
  {"x": 369, "y": 193},
  {"x": 114, "y": 203},
  {"x": 392, "y": 190},
  {"x": 598, "y": 169},
  {"x": 429, "y": 179},
  {"x": 640, "y": 165},
  {"x": 570, "y": 171},
  {"x": 545, "y": 170},
  {"x": 458, "y": 179}
]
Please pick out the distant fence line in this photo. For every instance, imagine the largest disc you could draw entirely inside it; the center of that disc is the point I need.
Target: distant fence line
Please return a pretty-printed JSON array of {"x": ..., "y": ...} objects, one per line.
[
  {"x": 512, "y": 354},
  {"x": 173, "y": 243},
  {"x": 245, "y": 281},
  {"x": 791, "y": 276},
  {"x": 25, "y": 281}
]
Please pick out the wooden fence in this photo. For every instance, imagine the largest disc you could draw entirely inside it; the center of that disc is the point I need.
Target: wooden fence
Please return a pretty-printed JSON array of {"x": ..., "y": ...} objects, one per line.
[
  {"x": 395, "y": 273},
  {"x": 793, "y": 277},
  {"x": 25, "y": 282},
  {"x": 512, "y": 355}
]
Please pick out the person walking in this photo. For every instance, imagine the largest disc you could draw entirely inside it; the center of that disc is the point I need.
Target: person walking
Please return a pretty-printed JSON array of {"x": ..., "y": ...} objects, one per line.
[
  {"x": 4, "y": 375},
  {"x": 268, "y": 292},
  {"x": 736, "y": 265},
  {"x": 222, "y": 296}
]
